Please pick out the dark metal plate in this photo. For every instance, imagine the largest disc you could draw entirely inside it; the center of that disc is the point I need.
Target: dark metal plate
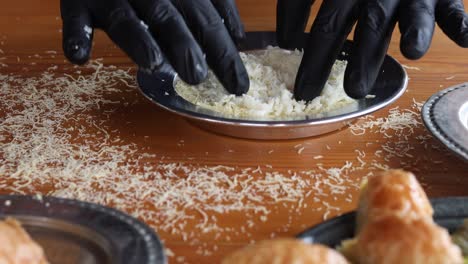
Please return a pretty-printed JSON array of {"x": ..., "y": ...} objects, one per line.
[
  {"x": 77, "y": 232},
  {"x": 448, "y": 212},
  {"x": 445, "y": 115}
]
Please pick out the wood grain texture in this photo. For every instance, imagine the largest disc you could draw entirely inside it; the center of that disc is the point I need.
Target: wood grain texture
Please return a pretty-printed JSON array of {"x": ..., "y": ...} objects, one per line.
[{"x": 33, "y": 27}]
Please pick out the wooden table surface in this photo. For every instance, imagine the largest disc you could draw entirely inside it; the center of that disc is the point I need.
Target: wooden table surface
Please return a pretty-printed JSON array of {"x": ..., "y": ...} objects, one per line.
[{"x": 30, "y": 35}]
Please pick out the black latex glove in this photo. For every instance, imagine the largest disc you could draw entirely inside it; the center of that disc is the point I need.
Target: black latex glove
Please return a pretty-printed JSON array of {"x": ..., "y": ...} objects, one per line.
[
  {"x": 159, "y": 33},
  {"x": 376, "y": 20}
]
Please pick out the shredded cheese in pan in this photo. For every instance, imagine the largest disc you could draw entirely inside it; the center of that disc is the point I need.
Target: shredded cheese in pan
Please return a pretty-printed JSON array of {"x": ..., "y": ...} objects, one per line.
[{"x": 272, "y": 73}]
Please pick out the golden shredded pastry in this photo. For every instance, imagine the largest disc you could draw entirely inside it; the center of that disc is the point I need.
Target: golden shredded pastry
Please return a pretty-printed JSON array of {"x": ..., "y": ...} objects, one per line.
[
  {"x": 395, "y": 225},
  {"x": 394, "y": 192},
  {"x": 460, "y": 237},
  {"x": 397, "y": 240},
  {"x": 16, "y": 245},
  {"x": 285, "y": 251}
]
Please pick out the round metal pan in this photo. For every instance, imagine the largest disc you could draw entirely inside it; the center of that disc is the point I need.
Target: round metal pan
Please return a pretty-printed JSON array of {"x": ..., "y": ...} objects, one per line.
[
  {"x": 75, "y": 232},
  {"x": 449, "y": 212},
  {"x": 158, "y": 88},
  {"x": 445, "y": 115}
]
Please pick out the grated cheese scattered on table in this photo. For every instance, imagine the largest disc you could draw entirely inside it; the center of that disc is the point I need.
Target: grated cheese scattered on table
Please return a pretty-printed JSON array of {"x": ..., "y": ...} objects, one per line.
[{"x": 49, "y": 139}]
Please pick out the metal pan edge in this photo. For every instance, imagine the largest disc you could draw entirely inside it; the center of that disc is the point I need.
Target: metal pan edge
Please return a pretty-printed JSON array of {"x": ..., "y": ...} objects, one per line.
[
  {"x": 452, "y": 123},
  {"x": 165, "y": 97},
  {"x": 114, "y": 235}
]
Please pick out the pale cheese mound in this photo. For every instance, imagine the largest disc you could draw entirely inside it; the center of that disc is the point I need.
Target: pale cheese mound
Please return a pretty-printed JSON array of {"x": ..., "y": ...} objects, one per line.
[{"x": 272, "y": 73}]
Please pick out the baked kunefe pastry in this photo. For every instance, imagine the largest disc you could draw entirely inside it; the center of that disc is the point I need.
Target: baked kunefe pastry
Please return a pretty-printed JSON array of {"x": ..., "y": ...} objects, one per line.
[
  {"x": 16, "y": 247},
  {"x": 285, "y": 251}
]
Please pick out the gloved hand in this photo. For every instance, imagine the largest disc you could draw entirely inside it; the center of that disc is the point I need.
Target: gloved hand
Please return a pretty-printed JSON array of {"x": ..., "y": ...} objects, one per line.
[
  {"x": 376, "y": 20},
  {"x": 158, "y": 33}
]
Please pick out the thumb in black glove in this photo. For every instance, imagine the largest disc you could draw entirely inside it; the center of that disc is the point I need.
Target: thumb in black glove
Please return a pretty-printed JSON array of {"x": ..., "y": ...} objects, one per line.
[{"x": 162, "y": 34}]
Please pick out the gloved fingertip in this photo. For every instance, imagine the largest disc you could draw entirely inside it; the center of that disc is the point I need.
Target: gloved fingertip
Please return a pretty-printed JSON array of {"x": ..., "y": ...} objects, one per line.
[
  {"x": 411, "y": 53},
  {"x": 197, "y": 74},
  {"x": 415, "y": 43},
  {"x": 191, "y": 67},
  {"x": 238, "y": 86},
  {"x": 151, "y": 59},
  {"x": 306, "y": 91},
  {"x": 237, "y": 81},
  {"x": 242, "y": 86},
  {"x": 77, "y": 51},
  {"x": 462, "y": 39},
  {"x": 355, "y": 85},
  {"x": 165, "y": 69}
]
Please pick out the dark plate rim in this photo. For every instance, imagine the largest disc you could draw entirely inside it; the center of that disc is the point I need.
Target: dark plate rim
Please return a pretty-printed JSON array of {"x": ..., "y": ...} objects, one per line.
[
  {"x": 153, "y": 245},
  {"x": 432, "y": 125}
]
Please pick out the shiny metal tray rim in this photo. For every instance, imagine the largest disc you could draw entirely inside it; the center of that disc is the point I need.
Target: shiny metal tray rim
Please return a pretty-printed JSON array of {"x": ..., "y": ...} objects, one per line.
[
  {"x": 433, "y": 127},
  {"x": 61, "y": 225},
  {"x": 35, "y": 211}
]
